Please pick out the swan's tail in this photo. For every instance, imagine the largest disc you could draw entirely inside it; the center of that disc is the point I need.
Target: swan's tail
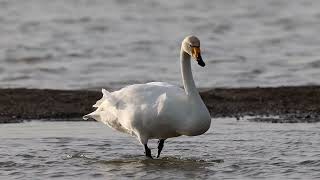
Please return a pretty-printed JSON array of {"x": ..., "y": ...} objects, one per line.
[
  {"x": 92, "y": 115},
  {"x": 96, "y": 115},
  {"x": 107, "y": 111}
]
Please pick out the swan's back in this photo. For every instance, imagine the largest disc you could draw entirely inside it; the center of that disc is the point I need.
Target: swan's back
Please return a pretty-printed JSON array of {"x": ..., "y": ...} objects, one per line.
[{"x": 147, "y": 93}]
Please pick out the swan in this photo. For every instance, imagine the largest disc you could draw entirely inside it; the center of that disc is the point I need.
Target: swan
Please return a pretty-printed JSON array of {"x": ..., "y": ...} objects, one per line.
[{"x": 157, "y": 110}]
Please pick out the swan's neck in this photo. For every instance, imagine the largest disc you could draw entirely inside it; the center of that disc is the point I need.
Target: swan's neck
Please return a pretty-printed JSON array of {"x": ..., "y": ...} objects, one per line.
[{"x": 188, "y": 82}]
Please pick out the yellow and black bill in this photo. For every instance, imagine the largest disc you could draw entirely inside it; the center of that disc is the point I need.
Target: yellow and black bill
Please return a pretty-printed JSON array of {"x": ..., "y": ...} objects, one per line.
[{"x": 196, "y": 54}]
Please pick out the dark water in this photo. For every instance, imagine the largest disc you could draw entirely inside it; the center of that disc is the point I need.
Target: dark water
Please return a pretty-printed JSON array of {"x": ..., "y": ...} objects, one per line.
[
  {"x": 230, "y": 150},
  {"x": 96, "y": 43}
]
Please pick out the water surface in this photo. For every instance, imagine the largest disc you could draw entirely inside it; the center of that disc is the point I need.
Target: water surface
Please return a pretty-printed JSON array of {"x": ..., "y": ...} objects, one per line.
[
  {"x": 79, "y": 44},
  {"x": 229, "y": 150}
]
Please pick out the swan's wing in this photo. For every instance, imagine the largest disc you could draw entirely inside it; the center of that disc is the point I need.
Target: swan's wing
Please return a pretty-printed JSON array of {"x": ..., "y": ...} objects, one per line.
[
  {"x": 161, "y": 102},
  {"x": 171, "y": 105}
]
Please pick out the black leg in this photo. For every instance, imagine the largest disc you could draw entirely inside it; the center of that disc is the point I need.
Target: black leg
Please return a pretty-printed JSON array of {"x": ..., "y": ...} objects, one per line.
[
  {"x": 147, "y": 151},
  {"x": 160, "y": 146}
]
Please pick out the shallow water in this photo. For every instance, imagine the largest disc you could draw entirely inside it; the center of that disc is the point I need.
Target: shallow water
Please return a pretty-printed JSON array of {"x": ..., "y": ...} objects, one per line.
[
  {"x": 89, "y": 150},
  {"x": 96, "y": 43}
]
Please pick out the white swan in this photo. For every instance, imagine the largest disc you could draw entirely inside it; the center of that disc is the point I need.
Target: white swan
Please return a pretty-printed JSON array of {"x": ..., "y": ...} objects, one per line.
[{"x": 157, "y": 110}]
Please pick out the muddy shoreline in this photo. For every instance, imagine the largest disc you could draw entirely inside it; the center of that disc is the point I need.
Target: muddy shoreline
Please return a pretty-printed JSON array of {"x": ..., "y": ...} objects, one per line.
[{"x": 290, "y": 104}]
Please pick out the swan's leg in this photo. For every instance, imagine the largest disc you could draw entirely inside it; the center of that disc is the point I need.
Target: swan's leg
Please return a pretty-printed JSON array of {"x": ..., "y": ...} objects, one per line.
[
  {"x": 147, "y": 151},
  {"x": 160, "y": 146}
]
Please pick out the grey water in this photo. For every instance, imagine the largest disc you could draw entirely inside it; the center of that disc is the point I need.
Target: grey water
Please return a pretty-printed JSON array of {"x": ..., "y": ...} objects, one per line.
[
  {"x": 81, "y": 44},
  {"x": 231, "y": 149}
]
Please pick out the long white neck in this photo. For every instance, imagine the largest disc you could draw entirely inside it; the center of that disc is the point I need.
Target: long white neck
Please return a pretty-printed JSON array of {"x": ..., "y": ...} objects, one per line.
[{"x": 188, "y": 82}]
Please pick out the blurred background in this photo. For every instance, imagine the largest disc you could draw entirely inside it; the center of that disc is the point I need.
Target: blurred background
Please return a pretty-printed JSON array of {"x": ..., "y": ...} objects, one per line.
[{"x": 89, "y": 44}]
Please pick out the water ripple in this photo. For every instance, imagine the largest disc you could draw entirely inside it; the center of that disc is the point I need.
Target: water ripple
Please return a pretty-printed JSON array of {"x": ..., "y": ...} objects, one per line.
[
  {"x": 260, "y": 43},
  {"x": 86, "y": 150}
]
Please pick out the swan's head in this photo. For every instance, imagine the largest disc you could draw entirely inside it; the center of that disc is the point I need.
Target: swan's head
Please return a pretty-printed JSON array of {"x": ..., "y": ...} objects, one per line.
[{"x": 191, "y": 45}]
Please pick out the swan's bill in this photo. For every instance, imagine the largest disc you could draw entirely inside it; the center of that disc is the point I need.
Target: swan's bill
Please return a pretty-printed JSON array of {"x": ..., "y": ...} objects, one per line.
[
  {"x": 200, "y": 61},
  {"x": 196, "y": 54}
]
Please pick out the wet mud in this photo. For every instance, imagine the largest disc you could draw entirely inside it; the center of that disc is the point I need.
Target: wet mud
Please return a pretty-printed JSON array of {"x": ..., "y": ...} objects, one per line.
[{"x": 272, "y": 104}]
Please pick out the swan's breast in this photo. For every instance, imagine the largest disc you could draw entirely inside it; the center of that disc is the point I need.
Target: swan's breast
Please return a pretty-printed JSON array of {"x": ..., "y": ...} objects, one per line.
[{"x": 198, "y": 122}]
